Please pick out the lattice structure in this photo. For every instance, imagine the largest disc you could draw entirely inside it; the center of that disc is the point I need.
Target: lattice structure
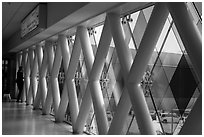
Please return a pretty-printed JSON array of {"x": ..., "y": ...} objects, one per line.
[{"x": 123, "y": 77}]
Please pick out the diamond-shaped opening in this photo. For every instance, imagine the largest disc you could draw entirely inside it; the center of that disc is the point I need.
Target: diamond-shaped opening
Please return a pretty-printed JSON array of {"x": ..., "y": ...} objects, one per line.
[
  {"x": 177, "y": 36},
  {"x": 81, "y": 79},
  {"x": 183, "y": 84},
  {"x": 61, "y": 78},
  {"x": 79, "y": 82},
  {"x": 110, "y": 70}
]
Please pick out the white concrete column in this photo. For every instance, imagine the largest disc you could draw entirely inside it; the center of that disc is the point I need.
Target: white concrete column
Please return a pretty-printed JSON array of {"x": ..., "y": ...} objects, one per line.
[
  {"x": 31, "y": 58},
  {"x": 143, "y": 55},
  {"x": 49, "y": 99},
  {"x": 17, "y": 66},
  {"x": 20, "y": 59},
  {"x": 43, "y": 73},
  {"x": 42, "y": 77},
  {"x": 54, "y": 78},
  {"x": 83, "y": 111},
  {"x": 70, "y": 76},
  {"x": 86, "y": 100},
  {"x": 24, "y": 59},
  {"x": 19, "y": 63},
  {"x": 34, "y": 76},
  {"x": 39, "y": 59},
  {"x": 63, "y": 42},
  {"x": 125, "y": 58},
  {"x": 94, "y": 75},
  {"x": 26, "y": 76}
]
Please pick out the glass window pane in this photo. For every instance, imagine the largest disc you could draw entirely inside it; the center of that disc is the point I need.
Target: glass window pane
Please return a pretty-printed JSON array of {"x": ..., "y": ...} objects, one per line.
[
  {"x": 98, "y": 31},
  {"x": 134, "y": 16},
  {"x": 139, "y": 28},
  {"x": 171, "y": 44},
  {"x": 160, "y": 82},
  {"x": 162, "y": 35},
  {"x": 169, "y": 70},
  {"x": 148, "y": 12}
]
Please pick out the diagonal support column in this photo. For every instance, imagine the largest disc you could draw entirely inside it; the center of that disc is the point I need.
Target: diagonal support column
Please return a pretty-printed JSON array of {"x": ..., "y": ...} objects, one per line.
[
  {"x": 62, "y": 41},
  {"x": 31, "y": 58},
  {"x": 189, "y": 34},
  {"x": 126, "y": 60},
  {"x": 49, "y": 99},
  {"x": 192, "y": 41},
  {"x": 145, "y": 50},
  {"x": 42, "y": 78},
  {"x": 24, "y": 61},
  {"x": 94, "y": 74},
  {"x": 70, "y": 77},
  {"x": 193, "y": 124},
  {"x": 19, "y": 59},
  {"x": 34, "y": 76},
  {"x": 95, "y": 88},
  {"x": 43, "y": 72},
  {"x": 144, "y": 53},
  {"x": 40, "y": 57},
  {"x": 26, "y": 76},
  {"x": 86, "y": 100},
  {"x": 54, "y": 78}
]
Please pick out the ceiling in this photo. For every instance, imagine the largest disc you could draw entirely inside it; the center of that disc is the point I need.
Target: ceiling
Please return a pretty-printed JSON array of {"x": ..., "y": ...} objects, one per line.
[
  {"x": 12, "y": 14},
  {"x": 88, "y": 15}
]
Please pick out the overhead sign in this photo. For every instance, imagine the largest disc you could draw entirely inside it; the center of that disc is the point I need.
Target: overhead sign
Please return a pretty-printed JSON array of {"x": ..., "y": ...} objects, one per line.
[{"x": 30, "y": 22}]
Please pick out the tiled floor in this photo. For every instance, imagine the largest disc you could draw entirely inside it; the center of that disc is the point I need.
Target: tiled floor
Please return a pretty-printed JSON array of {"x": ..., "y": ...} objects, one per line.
[{"x": 19, "y": 119}]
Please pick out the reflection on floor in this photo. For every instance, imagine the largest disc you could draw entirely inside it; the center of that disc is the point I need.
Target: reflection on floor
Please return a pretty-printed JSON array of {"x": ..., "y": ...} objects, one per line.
[{"x": 19, "y": 119}]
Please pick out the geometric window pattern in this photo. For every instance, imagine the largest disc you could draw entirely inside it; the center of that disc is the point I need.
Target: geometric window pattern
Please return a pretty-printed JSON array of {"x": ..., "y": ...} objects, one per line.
[
  {"x": 172, "y": 81},
  {"x": 183, "y": 85}
]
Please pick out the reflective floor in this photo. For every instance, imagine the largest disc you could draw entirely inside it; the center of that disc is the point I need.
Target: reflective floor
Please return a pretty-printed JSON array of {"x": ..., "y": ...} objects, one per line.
[{"x": 19, "y": 119}]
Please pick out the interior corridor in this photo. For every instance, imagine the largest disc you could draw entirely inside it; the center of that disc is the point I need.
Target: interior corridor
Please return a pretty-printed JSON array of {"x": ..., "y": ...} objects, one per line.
[{"x": 21, "y": 119}]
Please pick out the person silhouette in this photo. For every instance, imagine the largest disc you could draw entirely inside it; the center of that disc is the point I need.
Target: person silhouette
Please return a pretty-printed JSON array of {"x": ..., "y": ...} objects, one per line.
[{"x": 19, "y": 82}]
